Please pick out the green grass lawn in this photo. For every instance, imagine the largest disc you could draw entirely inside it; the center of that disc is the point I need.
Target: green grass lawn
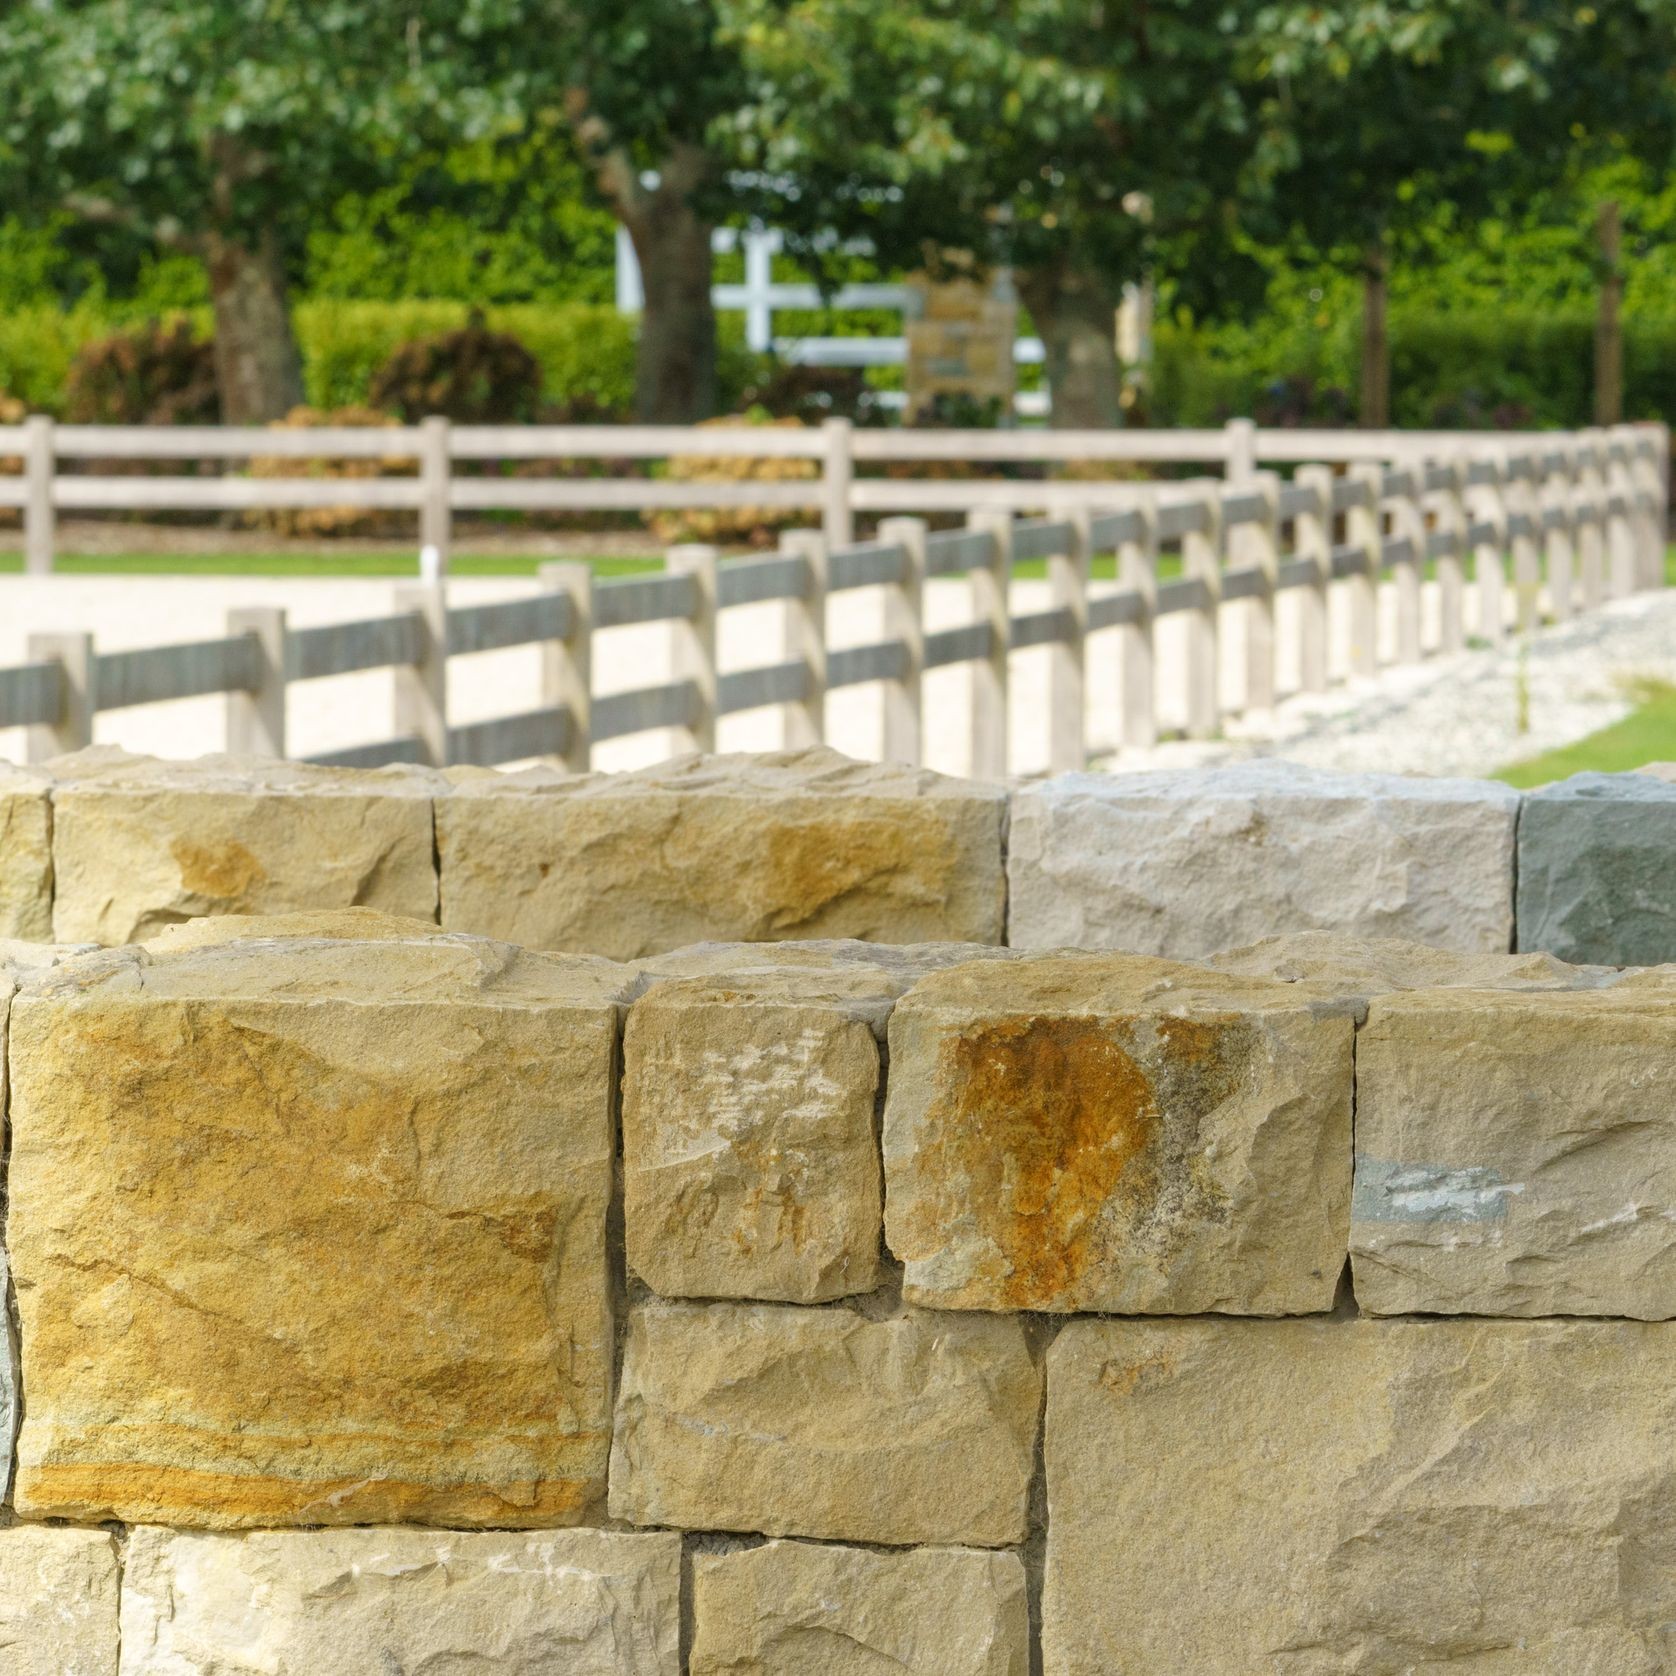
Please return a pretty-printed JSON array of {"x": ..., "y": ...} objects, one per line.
[{"x": 1646, "y": 734}]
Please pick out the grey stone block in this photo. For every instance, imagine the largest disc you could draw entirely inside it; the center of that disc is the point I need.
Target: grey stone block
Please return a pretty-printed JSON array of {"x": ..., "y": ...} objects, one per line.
[{"x": 1597, "y": 870}]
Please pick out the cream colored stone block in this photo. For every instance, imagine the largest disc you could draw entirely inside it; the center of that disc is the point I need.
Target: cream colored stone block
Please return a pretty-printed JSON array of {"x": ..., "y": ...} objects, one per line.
[
  {"x": 1232, "y": 1498},
  {"x": 746, "y": 848},
  {"x": 312, "y": 1230},
  {"x": 805, "y": 1609},
  {"x": 1108, "y": 1132},
  {"x": 1516, "y": 1153},
  {"x": 366, "y": 1602},
  {"x": 140, "y": 844},
  {"x": 822, "y": 1423},
  {"x": 58, "y": 1602},
  {"x": 25, "y": 854},
  {"x": 750, "y": 1149}
]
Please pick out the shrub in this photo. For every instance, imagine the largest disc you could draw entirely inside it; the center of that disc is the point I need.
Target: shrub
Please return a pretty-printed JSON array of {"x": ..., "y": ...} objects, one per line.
[
  {"x": 473, "y": 376},
  {"x": 755, "y": 526},
  {"x": 331, "y": 520},
  {"x": 154, "y": 374}
]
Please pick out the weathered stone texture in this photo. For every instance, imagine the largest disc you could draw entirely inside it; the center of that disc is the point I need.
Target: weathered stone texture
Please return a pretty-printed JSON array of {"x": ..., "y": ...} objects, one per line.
[
  {"x": 747, "y": 848},
  {"x": 1597, "y": 869},
  {"x": 25, "y": 854},
  {"x": 313, "y": 1231},
  {"x": 1380, "y": 1497},
  {"x": 1187, "y": 863},
  {"x": 750, "y": 1152},
  {"x": 801, "y": 1609},
  {"x": 58, "y": 1602},
  {"x": 139, "y": 844},
  {"x": 1516, "y": 1153},
  {"x": 819, "y": 1422},
  {"x": 362, "y": 1603},
  {"x": 1108, "y": 1132}
]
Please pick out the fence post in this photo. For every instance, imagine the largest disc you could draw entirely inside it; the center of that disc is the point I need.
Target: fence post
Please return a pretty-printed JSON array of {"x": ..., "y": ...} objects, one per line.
[
  {"x": 1645, "y": 484},
  {"x": 1620, "y": 523},
  {"x": 1201, "y": 559},
  {"x": 1451, "y": 564},
  {"x": 421, "y": 687},
  {"x": 1408, "y": 522},
  {"x": 1523, "y": 526},
  {"x": 1489, "y": 556},
  {"x": 1312, "y": 539},
  {"x": 1262, "y": 543},
  {"x": 806, "y": 639},
  {"x": 567, "y": 664},
  {"x": 904, "y": 621},
  {"x": 694, "y": 654},
  {"x": 1068, "y": 578},
  {"x": 39, "y": 518},
  {"x": 1555, "y": 508},
  {"x": 837, "y": 476},
  {"x": 1240, "y": 472},
  {"x": 256, "y": 718},
  {"x": 991, "y": 586},
  {"x": 78, "y": 681},
  {"x": 1362, "y": 529},
  {"x": 436, "y": 514},
  {"x": 1137, "y": 570},
  {"x": 1590, "y": 503}
]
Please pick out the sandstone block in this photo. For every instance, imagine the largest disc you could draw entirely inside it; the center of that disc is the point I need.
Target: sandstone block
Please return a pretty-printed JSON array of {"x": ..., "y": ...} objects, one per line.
[
  {"x": 139, "y": 844},
  {"x": 733, "y": 848},
  {"x": 1379, "y": 1497},
  {"x": 1597, "y": 869},
  {"x": 304, "y": 1603},
  {"x": 25, "y": 853},
  {"x": 313, "y": 1231},
  {"x": 1516, "y": 1153},
  {"x": 1108, "y": 1132},
  {"x": 1187, "y": 863},
  {"x": 790, "y": 1608},
  {"x": 819, "y": 1422},
  {"x": 750, "y": 1153},
  {"x": 58, "y": 1602}
]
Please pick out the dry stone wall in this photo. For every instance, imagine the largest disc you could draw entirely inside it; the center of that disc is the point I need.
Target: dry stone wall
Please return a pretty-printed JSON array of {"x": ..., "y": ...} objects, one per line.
[
  {"x": 809, "y": 846},
  {"x": 391, "y": 1299}
]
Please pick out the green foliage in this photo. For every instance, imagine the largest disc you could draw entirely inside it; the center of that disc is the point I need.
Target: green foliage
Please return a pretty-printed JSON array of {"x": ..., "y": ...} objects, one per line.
[
  {"x": 155, "y": 374},
  {"x": 473, "y": 376}
]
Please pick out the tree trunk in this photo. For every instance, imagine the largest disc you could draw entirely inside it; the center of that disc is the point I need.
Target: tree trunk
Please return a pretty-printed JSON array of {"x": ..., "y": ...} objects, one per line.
[
  {"x": 1075, "y": 314},
  {"x": 1376, "y": 348},
  {"x": 1609, "y": 330},
  {"x": 258, "y": 371},
  {"x": 675, "y": 372}
]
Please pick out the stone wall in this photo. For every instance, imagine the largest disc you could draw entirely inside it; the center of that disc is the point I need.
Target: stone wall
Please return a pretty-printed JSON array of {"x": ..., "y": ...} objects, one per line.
[
  {"x": 110, "y": 849},
  {"x": 390, "y": 1299}
]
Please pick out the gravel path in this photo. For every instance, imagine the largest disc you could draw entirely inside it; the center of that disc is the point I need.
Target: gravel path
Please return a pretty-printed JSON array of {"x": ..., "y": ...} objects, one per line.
[{"x": 1462, "y": 715}]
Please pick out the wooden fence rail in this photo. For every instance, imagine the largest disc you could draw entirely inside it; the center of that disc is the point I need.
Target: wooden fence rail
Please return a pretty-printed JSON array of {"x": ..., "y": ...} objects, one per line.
[{"x": 1576, "y": 518}]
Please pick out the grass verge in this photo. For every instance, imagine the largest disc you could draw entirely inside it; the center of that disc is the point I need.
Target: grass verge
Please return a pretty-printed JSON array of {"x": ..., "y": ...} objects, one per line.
[{"x": 1646, "y": 734}]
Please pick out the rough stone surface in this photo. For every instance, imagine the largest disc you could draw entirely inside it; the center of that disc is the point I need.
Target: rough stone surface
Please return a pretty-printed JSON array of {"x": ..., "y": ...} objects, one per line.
[
  {"x": 1109, "y": 1132},
  {"x": 744, "y": 848},
  {"x": 25, "y": 854},
  {"x": 1386, "y": 1498},
  {"x": 822, "y": 1423},
  {"x": 1516, "y": 1153},
  {"x": 362, "y": 1603},
  {"x": 1187, "y": 863},
  {"x": 313, "y": 1231},
  {"x": 750, "y": 1149},
  {"x": 140, "y": 843},
  {"x": 58, "y": 1602},
  {"x": 800, "y": 1609},
  {"x": 1597, "y": 869}
]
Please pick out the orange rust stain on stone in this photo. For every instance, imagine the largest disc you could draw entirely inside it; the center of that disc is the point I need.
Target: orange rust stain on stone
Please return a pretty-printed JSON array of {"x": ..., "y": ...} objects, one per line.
[
  {"x": 1045, "y": 1117},
  {"x": 225, "y": 871},
  {"x": 807, "y": 868}
]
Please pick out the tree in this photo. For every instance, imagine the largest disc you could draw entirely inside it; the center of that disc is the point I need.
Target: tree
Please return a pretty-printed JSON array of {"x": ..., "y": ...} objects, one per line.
[
  {"x": 221, "y": 128},
  {"x": 1379, "y": 111},
  {"x": 1065, "y": 141}
]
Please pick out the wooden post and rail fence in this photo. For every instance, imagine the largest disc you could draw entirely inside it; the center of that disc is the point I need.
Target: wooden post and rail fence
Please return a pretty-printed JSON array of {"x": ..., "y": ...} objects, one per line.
[{"x": 1575, "y": 517}]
